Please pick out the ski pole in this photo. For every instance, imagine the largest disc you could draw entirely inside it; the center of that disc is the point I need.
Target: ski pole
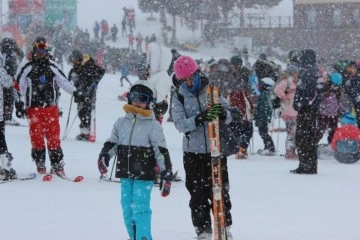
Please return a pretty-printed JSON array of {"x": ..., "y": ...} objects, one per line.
[
  {"x": 278, "y": 136},
  {"x": 112, "y": 168},
  {"x": 67, "y": 133},
  {"x": 68, "y": 118}
]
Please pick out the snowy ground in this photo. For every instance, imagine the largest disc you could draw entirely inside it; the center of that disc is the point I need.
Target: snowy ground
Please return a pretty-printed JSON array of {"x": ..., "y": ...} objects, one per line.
[{"x": 268, "y": 202}]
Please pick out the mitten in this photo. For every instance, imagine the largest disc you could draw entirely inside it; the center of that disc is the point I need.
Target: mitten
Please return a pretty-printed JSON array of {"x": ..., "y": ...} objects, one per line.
[
  {"x": 103, "y": 162},
  {"x": 20, "y": 111},
  {"x": 165, "y": 182}
]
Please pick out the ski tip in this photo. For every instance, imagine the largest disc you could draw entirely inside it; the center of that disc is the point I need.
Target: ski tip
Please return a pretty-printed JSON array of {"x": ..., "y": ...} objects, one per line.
[
  {"x": 92, "y": 138},
  {"x": 78, "y": 179},
  {"x": 47, "y": 178},
  {"x": 32, "y": 175}
]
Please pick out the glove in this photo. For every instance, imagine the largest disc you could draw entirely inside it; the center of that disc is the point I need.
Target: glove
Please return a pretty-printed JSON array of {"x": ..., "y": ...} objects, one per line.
[
  {"x": 218, "y": 110},
  {"x": 103, "y": 162},
  {"x": 210, "y": 115},
  {"x": 78, "y": 96},
  {"x": 166, "y": 177},
  {"x": 20, "y": 111}
]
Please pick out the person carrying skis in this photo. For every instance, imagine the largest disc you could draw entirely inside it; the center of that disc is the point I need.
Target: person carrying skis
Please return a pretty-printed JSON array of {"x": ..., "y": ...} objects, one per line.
[
  {"x": 190, "y": 116},
  {"x": 6, "y": 171},
  {"x": 40, "y": 78},
  {"x": 140, "y": 145},
  {"x": 85, "y": 75}
]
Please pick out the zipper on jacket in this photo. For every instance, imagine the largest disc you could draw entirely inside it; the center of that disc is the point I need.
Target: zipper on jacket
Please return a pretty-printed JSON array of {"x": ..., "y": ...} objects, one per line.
[
  {"x": 198, "y": 100},
  {"x": 129, "y": 145}
]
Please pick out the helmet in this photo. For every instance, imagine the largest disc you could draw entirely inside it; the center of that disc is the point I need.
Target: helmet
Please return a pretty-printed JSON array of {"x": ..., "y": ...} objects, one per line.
[
  {"x": 76, "y": 56},
  {"x": 236, "y": 60},
  {"x": 348, "y": 118},
  {"x": 336, "y": 79},
  {"x": 147, "y": 94},
  {"x": 40, "y": 44},
  {"x": 184, "y": 66}
]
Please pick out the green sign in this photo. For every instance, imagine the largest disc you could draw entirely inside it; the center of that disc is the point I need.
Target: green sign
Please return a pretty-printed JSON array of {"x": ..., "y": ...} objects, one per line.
[{"x": 61, "y": 12}]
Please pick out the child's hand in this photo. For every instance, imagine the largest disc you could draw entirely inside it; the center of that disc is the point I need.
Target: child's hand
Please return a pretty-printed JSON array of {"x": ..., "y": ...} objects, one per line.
[{"x": 103, "y": 162}]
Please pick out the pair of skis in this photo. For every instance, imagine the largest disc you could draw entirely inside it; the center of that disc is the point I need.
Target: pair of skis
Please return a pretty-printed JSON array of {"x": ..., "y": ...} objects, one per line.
[
  {"x": 212, "y": 97},
  {"x": 47, "y": 177}
]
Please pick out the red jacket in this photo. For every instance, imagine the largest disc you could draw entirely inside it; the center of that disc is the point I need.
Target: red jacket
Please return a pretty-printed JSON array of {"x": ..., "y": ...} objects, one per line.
[
  {"x": 242, "y": 100},
  {"x": 347, "y": 132}
]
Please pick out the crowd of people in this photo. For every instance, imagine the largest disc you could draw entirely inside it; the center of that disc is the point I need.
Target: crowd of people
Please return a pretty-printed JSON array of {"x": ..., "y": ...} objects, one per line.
[{"x": 310, "y": 96}]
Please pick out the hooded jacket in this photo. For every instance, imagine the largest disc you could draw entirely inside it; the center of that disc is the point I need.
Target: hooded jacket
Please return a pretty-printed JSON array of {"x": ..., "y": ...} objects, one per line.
[
  {"x": 195, "y": 137},
  {"x": 310, "y": 83}
]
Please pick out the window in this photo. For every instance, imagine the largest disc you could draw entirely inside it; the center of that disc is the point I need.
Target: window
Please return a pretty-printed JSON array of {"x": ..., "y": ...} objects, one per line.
[
  {"x": 337, "y": 18},
  {"x": 311, "y": 18},
  {"x": 356, "y": 17}
]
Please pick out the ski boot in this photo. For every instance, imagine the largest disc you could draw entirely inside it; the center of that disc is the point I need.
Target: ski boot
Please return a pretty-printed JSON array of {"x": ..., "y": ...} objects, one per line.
[
  {"x": 40, "y": 166},
  {"x": 58, "y": 168},
  {"x": 6, "y": 172},
  {"x": 82, "y": 137}
]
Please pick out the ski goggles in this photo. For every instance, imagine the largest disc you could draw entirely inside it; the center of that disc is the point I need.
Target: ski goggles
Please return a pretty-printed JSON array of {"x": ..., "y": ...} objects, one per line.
[
  {"x": 139, "y": 97},
  {"x": 41, "y": 47}
]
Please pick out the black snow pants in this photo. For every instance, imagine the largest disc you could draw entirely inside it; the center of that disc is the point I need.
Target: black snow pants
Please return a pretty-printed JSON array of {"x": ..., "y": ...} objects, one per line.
[
  {"x": 198, "y": 183},
  {"x": 305, "y": 139}
]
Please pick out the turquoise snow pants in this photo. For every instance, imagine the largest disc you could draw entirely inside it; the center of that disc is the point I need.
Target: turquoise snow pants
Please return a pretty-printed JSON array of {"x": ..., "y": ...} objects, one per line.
[{"x": 135, "y": 203}]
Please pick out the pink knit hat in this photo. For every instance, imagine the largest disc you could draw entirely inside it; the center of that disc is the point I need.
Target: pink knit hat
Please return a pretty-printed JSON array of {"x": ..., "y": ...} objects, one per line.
[{"x": 184, "y": 66}]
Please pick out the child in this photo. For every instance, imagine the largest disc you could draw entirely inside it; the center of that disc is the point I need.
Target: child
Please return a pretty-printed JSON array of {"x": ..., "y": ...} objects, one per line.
[
  {"x": 263, "y": 113},
  {"x": 285, "y": 90},
  {"x": 346, "y": 139},
  {"x": 140, "y": 145},
  {"x": 329, "y": 108}
]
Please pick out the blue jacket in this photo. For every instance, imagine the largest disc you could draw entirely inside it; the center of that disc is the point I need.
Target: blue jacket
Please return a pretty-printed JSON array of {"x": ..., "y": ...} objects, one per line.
[
  {"x": 195, "y": 137},
  {"x": 124, "y": 70}
]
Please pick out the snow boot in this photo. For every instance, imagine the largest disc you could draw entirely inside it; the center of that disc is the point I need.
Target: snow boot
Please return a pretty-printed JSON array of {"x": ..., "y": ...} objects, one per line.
[
  {"x": 291, "y": 154},
  {"x": 242, "y": 154},
  {"x": 58, "y": 168},
  {"x": 228, "y": 233},
  {"x": 266, "y": 152},
  {"x": 303, "y": 171},
  {"x": 7, "y": 172},
  {"x": 204, "y": 236}
]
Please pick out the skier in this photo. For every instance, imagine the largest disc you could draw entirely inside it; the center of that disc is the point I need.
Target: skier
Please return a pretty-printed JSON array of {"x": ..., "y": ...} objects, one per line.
[
  {"x": 39, "y": 78},
  {"x": 306, "y": 102},
  {"x": 190, "y": 118},
  {"x": 85, "y": 75},
  {"x": 11, "y": 54},
  {"x": 124, "y": 70},
  {"x": 6, "y": 171},
  {"x": 139, "y": 142},
  {"x": 114, "y": 31},
  {"x": 96, "y": 30}
]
